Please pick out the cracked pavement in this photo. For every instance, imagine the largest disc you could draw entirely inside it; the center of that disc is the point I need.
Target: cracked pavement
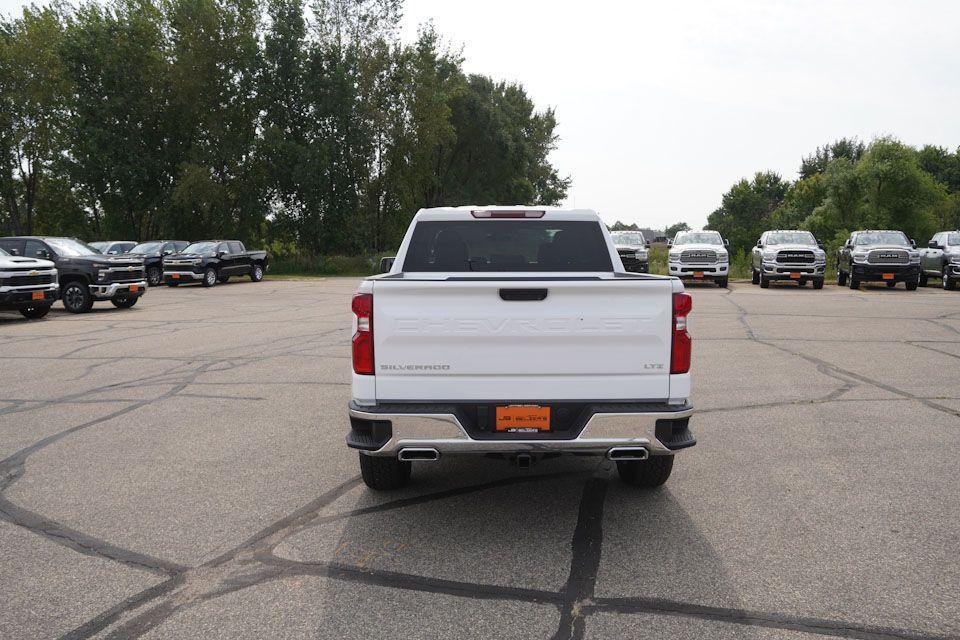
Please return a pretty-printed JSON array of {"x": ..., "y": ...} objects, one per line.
[{"x": 178, "y": 470}]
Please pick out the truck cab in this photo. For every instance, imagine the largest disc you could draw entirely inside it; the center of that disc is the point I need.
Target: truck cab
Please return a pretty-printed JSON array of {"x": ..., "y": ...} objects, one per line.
[
  {"x": 791, "y": 255},
  {"x": 941, "y": 259},
  {"x": 515, "y": 333},
  {"x": 699, "y": 255},
  {"x": 878, "y": 256}
]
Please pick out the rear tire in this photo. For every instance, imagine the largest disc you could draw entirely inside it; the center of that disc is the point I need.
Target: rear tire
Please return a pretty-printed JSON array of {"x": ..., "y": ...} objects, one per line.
[
  {"x": 911, "y": 286},
  {"x": 224, "y": 279},
  {"x": 854, "y": 282},
  {"x": 923, "y": 279},
  {"x": 802, "y": 283},
  {"x": 384, "y": 473},
  {"x": 35, "y": 313},
  {"x": 841, "y": 278},
  {"x": 764, "y": 282},
  {"x": 722, "y": 283},
  {"x": 76, "y": 297},
  {"x": 818, "y": 283},
  {"x": 124, "y": 303},
  {"x": 649, "y": 473},
  {"x": 256, "y": 273},
  {"x": 755, "y": 277},
  {"x": 209, "y": 277},
  {"x": 891, "y": 284},
  {"x": 948, "y": 283}
]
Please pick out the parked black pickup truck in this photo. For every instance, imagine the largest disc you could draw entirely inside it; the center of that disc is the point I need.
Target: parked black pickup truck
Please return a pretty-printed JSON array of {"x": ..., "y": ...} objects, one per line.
[
  {"x": 213, "y": 261},
  {"x": 85, "y": 275},
  {"x": 152, "y": 252}
]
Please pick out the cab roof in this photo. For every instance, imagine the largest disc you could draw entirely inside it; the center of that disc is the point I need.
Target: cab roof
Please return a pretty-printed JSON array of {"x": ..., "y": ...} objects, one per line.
[{"x": 467, "y": 212}]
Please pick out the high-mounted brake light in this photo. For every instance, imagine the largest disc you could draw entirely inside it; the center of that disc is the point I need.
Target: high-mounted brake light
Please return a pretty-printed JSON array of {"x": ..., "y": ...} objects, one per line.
[
  {"x": 507, "y": 214},
  {"x": 681, "y": 344},
  {"x": 363, "y": 339}
]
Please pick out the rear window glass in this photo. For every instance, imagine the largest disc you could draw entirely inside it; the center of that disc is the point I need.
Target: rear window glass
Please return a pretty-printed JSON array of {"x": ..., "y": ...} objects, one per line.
[{"x": 508, "y": 245}]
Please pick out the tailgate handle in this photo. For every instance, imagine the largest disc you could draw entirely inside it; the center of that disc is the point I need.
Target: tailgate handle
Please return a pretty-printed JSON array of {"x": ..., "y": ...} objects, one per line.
[{"x": 523, "y": 294}]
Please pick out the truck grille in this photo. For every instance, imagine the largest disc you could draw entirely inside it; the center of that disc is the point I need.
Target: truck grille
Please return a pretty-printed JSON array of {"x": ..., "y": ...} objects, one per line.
[
  {"x": 699, "y": 257},
  {"x": 888, "y": 256},
  {"x": 26, "y": 281},
  {"x": 122, "y": 274},
  {"x": 796, "y": 257}
]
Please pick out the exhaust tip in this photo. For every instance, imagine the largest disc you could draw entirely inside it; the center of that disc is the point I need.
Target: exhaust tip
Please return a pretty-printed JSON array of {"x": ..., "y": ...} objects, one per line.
[
  {"x": 411, "y": 454},
  {"x": 628, "y": 453}
]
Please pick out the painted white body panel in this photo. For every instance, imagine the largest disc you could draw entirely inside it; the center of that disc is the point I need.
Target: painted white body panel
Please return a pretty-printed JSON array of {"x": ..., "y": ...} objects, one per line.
[{"x": 595, "y": 337}]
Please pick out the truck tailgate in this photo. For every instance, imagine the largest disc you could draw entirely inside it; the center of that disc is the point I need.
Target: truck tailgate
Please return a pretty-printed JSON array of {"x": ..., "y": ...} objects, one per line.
[{"x": 459, "y": 340}]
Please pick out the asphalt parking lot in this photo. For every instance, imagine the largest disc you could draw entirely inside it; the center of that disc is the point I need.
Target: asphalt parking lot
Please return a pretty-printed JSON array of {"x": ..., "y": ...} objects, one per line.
[{"x": 178, "y": 470}]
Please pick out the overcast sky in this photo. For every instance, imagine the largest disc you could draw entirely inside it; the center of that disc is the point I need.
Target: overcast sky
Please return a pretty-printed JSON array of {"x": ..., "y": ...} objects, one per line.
[{"x": 662, "y": 106}]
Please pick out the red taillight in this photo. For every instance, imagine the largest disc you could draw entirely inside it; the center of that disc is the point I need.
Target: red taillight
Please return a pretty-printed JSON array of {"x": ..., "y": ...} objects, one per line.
[
  {"x": 363, "y": 338},
  {"x": 681, "y": 343}
]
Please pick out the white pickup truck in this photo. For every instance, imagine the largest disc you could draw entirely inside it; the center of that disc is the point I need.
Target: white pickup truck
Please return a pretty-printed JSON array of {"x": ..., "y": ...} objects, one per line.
[{"x": 517, "y": 333}]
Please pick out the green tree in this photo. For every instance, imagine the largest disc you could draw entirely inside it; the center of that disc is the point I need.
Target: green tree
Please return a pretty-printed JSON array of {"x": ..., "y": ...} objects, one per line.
[
  {"x": 33, "y": 112},
  {"x": 747, "y": 209},
  {"x": 676, "y": 228}
]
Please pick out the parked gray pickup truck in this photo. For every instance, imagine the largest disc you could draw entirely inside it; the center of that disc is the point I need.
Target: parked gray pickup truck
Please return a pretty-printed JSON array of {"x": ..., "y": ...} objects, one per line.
[
  {"x": 788, "y": 255},
  {"x": 884, "y": 256},
  {"x": 941, "y": 259}
]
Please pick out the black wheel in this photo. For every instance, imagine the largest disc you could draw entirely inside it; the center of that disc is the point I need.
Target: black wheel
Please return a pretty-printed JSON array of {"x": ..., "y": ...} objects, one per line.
[
  {"x": 755, "y": 277},
  {"x": 801, "y": 283},
  {"x": 818, "y": 283},
  {"x": 209, "y": 277},
  {"x": 124, "y": 303},
  {"x": 384, "y": 473},
  {"x": 256, "y": 273},
  {"x": 948, "y": 283},
  {"x": 76, "y": 297},
  {"x": 912, "y": 285},
  {"x": 854, "y": 282},
  {"x": 923, "y": 279},
  {"x": 722, "y": 283},
  {"x": 224, "y": 279},
  {"x": 891, "y": 284},
  {"x": 154, "y": 276},
  {"x": 649, "y": 473},
  {"x": 764, "y": 282},
  {"x": 841, "y": 278},
  {"x": 35, "y": 312}
]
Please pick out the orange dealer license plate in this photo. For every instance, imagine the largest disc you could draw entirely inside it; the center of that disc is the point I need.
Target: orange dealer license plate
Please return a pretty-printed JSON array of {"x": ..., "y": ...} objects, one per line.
[
  {"x": 175, "y": 276},
  {"x": 523, "y": 418},
  {"x": 795, "y": 276},
  {"x": 134, "y": 288},
  {"x": 698, "y": 274},
  {"x": 888, "y": 276},
  {"x": 37, "y": 295}
]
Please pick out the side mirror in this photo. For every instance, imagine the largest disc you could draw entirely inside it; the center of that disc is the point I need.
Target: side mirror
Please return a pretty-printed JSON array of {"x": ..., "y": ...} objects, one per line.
[
  {"x": 933, "y": 244},
  {"x": 913, "y": 243},
  {"x": 847, "y": 244},
  {"x": 387, "y": 263},
  {"x": 759, "y": 243},
  {"x": 819, "y": 244},
  {"x": 726, "y": 242},
  {"x": 646, "y": 243},
  {"x": 669, "y": 242}
]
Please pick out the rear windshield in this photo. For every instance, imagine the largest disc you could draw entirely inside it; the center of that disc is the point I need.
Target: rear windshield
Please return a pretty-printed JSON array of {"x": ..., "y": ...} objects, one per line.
[{"x": 508, "y": 245}]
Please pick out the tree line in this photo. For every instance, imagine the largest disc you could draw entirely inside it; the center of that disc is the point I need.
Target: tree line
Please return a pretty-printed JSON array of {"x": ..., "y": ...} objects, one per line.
[
  {"x": 844, "y": 186},
  {"x": 314, "y": 131}
]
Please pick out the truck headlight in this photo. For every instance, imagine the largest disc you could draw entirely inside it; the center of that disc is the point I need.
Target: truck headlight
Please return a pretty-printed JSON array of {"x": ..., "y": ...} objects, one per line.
[
  {"x": 102, "y": 275},
  {"x": 821, "y": 258},
  {"x": 859, "y": 256},
  {"x": 723, "y": 257},
  {"x": 955, "y": 258},
  {"x": 641, "y": 255},
  {"x": 673, "y": 257},
  {"x": 914, "y": 257},
  {"x": 768, "y": 256}
]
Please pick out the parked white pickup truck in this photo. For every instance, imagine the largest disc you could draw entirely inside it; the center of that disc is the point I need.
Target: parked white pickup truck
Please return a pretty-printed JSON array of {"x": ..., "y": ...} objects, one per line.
[{"x": 516, "y": 333}]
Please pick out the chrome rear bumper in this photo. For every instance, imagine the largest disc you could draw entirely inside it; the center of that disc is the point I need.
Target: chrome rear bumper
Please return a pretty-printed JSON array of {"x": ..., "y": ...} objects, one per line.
[{"x": 444, "y": 433}]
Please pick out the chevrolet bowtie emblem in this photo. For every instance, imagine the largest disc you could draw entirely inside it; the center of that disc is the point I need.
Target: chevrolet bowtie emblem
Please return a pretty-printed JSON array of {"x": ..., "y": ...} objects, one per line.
[
  {"x": 129, "y": 268},
  {"x": 34, "y": 273}
]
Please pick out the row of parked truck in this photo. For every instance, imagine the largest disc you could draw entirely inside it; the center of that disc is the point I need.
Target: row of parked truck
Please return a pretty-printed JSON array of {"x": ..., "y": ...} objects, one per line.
[
  {"x": 36, "y": 271},
  {"x": 797, "y": 256}
]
